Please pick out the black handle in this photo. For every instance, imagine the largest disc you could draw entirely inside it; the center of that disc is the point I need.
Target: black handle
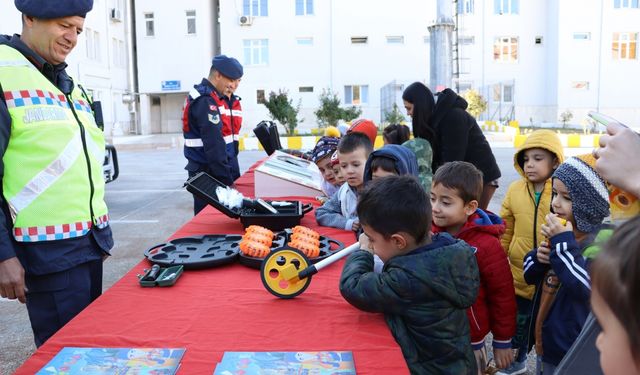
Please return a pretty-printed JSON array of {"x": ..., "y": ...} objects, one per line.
[
  {"x": 307, "y": 207},
  {"x": 114, "y": 158},
  {"x": 152, "y": 274}
]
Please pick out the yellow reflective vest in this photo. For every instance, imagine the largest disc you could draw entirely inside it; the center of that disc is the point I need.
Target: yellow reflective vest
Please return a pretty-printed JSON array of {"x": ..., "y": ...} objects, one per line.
[{"x": 53, "y": 178}]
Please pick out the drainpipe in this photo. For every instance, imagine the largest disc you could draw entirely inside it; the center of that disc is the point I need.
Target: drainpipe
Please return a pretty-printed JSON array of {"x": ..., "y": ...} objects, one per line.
[{"x": 132, "y": 65}]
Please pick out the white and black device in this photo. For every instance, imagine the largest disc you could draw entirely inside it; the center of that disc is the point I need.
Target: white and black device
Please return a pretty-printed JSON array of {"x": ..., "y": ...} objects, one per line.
[
  {"x": 266, "y": 206},
  {"x": 259, "y": 205}
]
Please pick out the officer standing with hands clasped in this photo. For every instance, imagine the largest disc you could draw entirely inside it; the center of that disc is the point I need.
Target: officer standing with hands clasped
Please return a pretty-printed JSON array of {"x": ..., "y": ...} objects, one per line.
[
  {"x": 54, "y": 229},
  {"x": 211, "y": 122}
]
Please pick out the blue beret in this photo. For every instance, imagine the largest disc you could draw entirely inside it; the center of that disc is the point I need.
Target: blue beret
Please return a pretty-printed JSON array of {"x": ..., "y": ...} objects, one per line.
[
  {"x": 48, "y": 9},
  {"x": 227, "y": 66}
]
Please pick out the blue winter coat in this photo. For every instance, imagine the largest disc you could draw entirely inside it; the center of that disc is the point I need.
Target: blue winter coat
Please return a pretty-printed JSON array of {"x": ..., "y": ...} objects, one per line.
[{"x": 570, "y": 308}]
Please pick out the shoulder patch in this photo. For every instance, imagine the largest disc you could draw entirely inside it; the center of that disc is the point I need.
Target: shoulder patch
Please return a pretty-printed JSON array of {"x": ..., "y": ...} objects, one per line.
[{"x": 214, "y": 119}]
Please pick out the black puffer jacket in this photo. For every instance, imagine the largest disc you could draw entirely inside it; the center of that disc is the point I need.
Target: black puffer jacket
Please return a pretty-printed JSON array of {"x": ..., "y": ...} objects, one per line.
[{"x": 459, "y": 137}]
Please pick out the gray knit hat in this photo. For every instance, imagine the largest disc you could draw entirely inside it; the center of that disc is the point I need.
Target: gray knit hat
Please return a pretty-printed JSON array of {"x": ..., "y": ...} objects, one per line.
[{"x": 589, "y": 193}]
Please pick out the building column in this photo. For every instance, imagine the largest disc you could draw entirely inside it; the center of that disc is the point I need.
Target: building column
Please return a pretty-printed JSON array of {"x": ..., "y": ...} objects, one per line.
[
  {"x": 441, "y": 57},
  {"x": 145, "y": 114}
]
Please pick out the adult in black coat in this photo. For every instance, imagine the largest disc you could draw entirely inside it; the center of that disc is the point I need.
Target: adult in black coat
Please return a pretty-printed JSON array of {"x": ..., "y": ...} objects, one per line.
[{"x": 453, "y": 133}]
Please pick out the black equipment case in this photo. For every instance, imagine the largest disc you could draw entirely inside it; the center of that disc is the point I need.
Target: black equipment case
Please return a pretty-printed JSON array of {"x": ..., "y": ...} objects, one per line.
[{"x": 204, "y": 187}]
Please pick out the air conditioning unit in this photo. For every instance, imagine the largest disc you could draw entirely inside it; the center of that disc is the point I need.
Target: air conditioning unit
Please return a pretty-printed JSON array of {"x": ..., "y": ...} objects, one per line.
[
  {"x": 245, "y": 20},
  {"x": 116, "y": 15}
]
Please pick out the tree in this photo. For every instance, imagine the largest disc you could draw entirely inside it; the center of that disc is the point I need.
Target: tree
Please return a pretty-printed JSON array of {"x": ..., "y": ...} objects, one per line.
[
  {"x": 565, "y": 117},
  {"x": 351, "y": 113},
  {"x": 395, "y": 116},
  {"x": 477, "y": 104},
  {"x": 330, "y": 111},
  {"x": 282, "y": 110}
]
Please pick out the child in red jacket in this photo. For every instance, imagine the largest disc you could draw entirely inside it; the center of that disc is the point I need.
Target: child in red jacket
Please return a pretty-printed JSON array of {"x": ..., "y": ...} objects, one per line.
[{"x": 456, "y": 189}]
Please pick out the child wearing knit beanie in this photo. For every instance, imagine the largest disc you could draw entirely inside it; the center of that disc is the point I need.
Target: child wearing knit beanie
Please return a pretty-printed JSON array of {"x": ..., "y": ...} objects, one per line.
[
  {"x": 335, "y": 164},
  {"x": 559, "y": 267},
  {"x": 321, "y": 155}
]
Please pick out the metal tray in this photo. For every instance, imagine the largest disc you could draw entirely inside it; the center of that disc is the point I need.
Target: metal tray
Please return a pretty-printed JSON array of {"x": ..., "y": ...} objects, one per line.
[
  {"x": 196, "y": 252},
  {"x": 328, "y": 246}
]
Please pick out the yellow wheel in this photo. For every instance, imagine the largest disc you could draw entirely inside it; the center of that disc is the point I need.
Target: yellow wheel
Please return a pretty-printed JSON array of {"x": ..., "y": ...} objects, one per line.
[{"x": 279, "y": 272}]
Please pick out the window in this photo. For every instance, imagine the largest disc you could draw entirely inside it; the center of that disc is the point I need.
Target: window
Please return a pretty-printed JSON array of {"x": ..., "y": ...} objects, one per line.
[
  {"x": 624, "y": 46},
  {"x": 256, "y": 51},
  {"x": 359, "y": 39},
  {"x": 149, "y": 24},
  {"x": 260, "y": 98},
  {"x": 465, "y": 6},
  {"x": 89, "y": 38},
  {"x": 119, "y": 53},
  {"x": 581, "y": 36},
  {"x": 255, "y": 8},
  {"x": 464, "y": 86},
  {"x": 503, "y": 93},
  {"x": 625, "y": 4},
  {"x": 507, "y": 93},
  {"x": 191, "y": 22},
  {"x": 506, "y": 6},
  {"x": 93, "y": 44},
  {"x": 304, "y": 41},
  {"x": 98, "y": 49},
  {"x": 122, "y": 53},
  {"x": 465, "y": 40},
  {"x": 538, "y": 40},
  {"x": 505, "y": 49},
  {"x": 356, "y": 95},
  {"x": 395, "y": 40},
  {"x": 305, "y": 89},
  {"x": 464, "y": 65},
  {"x": 304, "y": 7},
  {"x": 115, "y": 52}
]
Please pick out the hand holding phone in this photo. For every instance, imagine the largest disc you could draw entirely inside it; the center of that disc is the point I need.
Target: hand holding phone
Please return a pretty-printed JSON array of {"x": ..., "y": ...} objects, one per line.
[
  {"x": 618, "y": 154},
  {"x": 603, "y": 119}
]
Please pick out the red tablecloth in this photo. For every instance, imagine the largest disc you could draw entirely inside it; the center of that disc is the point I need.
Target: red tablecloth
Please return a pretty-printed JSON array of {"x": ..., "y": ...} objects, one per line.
[{"x": 223, "y": 309}]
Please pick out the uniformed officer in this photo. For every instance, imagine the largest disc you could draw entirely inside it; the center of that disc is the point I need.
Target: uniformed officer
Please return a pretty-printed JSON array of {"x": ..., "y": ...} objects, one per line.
[
  {"x": 211, "y": 121},
  {"x": 54, "y": 228}
]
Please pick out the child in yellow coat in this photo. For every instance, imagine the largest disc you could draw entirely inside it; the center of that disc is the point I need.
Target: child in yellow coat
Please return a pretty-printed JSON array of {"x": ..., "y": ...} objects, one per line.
[{"x": 527, "y": 202}]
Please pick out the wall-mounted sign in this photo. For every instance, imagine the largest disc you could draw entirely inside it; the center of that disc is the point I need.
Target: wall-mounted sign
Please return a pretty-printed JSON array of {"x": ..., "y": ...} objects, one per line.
[{"x": 170, "y": 85}]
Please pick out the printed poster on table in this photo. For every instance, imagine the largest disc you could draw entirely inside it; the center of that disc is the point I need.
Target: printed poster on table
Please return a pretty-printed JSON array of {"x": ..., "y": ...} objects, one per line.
[
  {"x": 286, "y": 363},
  {"x": 114, "y": 361}
]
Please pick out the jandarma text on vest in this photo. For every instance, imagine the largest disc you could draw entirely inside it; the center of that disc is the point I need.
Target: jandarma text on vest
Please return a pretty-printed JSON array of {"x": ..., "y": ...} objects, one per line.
[{"x": 44, "y": 114}]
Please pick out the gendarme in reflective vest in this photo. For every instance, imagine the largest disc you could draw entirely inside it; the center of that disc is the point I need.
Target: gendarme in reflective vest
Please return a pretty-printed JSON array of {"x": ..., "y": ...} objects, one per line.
[{"x": 53, "y": 164}]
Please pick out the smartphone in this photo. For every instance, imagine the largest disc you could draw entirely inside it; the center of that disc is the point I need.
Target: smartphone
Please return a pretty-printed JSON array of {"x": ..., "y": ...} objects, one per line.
[{"x": 602, "y": 119}]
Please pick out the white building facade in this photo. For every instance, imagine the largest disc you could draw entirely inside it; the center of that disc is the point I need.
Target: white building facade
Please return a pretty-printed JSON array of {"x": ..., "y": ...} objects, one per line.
[
  {"x": 175, "y": 43},
  {"x": 534, "y": 60},
  {"x": 100, "y": 61},
  {"x": 363, "y": 51},
  {"x": 531, "y": 60}
]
